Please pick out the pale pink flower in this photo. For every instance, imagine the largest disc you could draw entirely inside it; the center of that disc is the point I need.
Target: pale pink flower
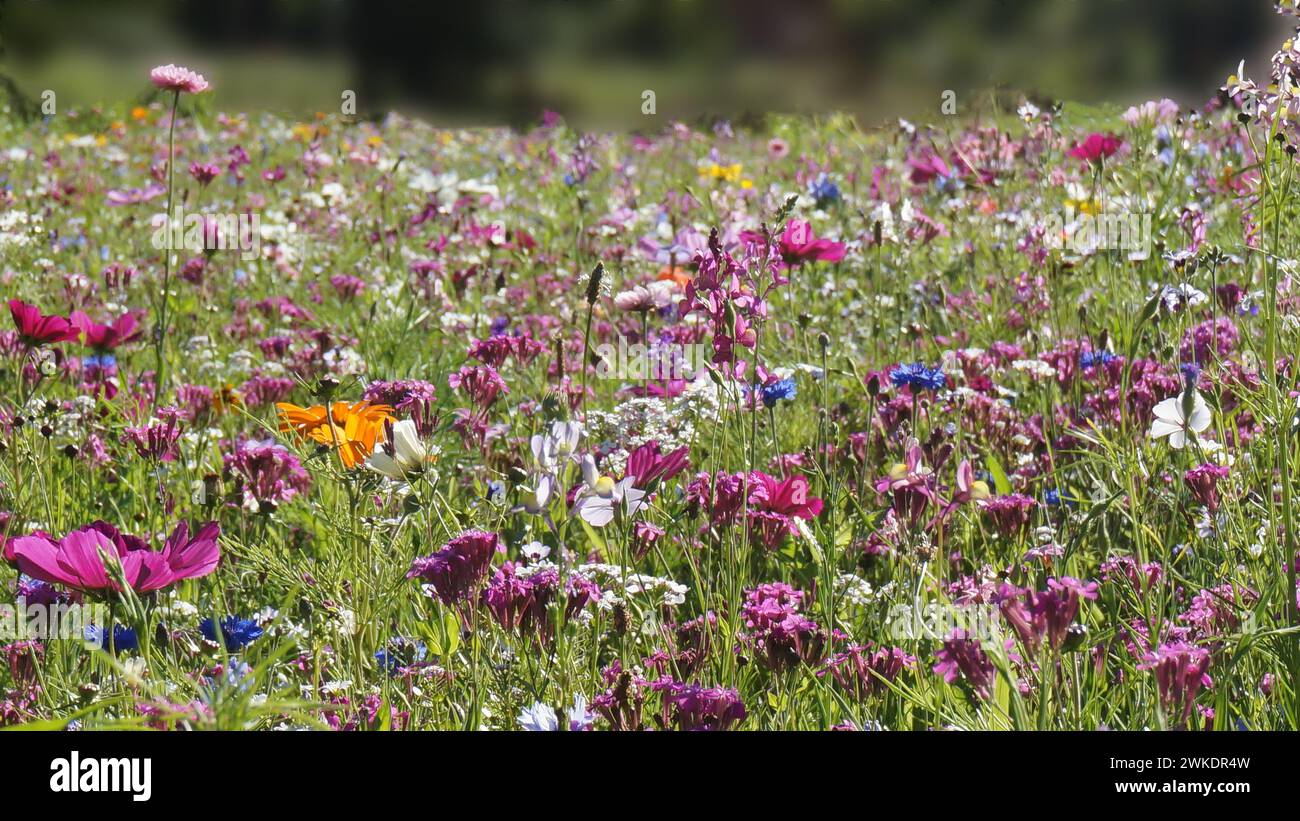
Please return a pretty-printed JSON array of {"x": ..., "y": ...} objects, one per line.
[{"x": 178, "y": 78}]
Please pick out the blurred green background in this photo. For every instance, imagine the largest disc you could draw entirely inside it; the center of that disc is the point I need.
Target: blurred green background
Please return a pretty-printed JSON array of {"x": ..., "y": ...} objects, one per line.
[{"x": 503, "y": 61}]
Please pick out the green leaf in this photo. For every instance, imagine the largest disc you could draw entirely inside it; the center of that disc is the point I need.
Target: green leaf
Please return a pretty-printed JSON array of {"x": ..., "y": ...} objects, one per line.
[
  {"x": 451, "y": 632},
  {"x": 1000, "y": 481},
  {"x": 593, "y": 535}
]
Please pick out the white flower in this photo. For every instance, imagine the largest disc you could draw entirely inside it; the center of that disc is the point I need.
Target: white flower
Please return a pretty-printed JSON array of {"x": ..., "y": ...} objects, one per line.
[
  {"x": 541, "y": 718},
  {"x": 534, "y": 500},
  {"x": 535, "y": 551},
  {"x": 538, "y": 718},
  {"x": 550, "y": 450},
  {"x": 1178, "y": 415},
  {"x": 602, "y": 495},
  {"x": 1177, "y": 297},
  {"x": 404, "y": 453}
]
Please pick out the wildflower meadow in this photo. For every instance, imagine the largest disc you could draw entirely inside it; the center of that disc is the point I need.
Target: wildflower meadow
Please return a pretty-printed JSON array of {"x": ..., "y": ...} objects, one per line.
[{"x": 335, "y": 423}]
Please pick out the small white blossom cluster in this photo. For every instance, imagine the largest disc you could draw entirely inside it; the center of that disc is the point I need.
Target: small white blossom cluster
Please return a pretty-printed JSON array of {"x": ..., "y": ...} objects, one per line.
[{"x": 670, "y": 593}]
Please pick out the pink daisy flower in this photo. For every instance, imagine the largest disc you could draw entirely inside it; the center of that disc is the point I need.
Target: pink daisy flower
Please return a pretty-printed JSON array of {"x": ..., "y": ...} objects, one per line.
[{"x": 178, "y": 78}]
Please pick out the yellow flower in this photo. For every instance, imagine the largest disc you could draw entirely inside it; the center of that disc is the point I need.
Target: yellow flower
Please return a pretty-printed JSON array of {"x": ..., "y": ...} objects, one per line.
[
  {"x": 353, "y": 429},
  {"x": 1092, "y": 207},
  {"x": 726, "y": 173}
]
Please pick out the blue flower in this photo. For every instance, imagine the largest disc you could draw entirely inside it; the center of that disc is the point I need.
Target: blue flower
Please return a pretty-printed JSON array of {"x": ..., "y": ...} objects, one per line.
[
  {"x": 824, "y": 191},
  {"x": 236, "y": 633},
  {"x": 105, "y": 361},
  {"x": 1055, "y": 498},
  {"x": 775, "y": 391},
  {"x": 917, "y": 375},
  {"x": 1089, "y": 358},
  {"x": 400, "y": 652},
  {"x": 124, "y": 638}
]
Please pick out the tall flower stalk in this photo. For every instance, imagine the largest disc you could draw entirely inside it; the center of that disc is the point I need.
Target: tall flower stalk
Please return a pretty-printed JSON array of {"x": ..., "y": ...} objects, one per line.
[{"x": 175, "y": 79}]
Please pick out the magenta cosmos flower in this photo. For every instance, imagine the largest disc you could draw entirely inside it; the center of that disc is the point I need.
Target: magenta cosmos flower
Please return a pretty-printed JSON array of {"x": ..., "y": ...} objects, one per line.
[
  {"x": 77, "y": 560},
  {"x": 798, "y": 244},
  {"x": 178, "y": 78},
  {"x": 105, "y": 338},
  {"x": 35, "y": 328},
  {"x": 1096, "y": 147}
]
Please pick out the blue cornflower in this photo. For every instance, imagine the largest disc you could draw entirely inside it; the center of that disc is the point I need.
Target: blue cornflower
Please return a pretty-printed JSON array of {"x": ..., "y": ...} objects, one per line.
[
  {"x": 1089, "y": 358},
  {"x": 104, "y": 360},
  {"x": 1055, "y": 498},
  {"x": 499, "y": 325},
  {"x": 824, "y": 191},
  {"x": 1191, "y": 373},
  {"x": 387, "y": 661},
  {"x": 400, "y": 652},
  {"x": 124, "y": 638},
  {"x": 237, "y": 633},
  {"x": 917, "y": 375},
  {"x": 775, "y": 391}
]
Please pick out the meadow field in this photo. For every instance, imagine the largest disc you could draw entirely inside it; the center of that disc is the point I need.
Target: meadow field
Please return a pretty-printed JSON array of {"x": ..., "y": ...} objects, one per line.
[{"x": 982, "y": 423}]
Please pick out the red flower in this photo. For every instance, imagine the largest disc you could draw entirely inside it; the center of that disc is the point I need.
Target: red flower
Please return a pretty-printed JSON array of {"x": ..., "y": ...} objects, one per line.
[
  {"x": 1096, "y": 147},
  {"x": 35, "y": 328}
]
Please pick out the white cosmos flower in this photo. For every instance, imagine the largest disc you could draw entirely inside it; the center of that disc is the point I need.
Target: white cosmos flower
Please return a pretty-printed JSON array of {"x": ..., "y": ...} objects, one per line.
[
  {"x": 403, "y": 453},
  {"x": 601, "y": 496},
  {"x": 1178, "y": 415}
]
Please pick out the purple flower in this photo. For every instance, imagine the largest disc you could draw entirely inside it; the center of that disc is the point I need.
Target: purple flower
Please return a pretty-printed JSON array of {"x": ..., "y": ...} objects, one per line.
[
  {"x": 268, "y": 473},
  {"x": 695, "y": 707},
  {"x": 1010, "y": 513},
  {"x": 518, "y": 597},
  {"x": 862, "y": 671},
  {"x": 1049, "y": 613},
  {"x": 481, "y": 383},
  {"x": 779, "y": 630},
  {"x": 1180, "y": 671},
  {"x": 456, "y": 569},
  {"x": 157, "y": 441},
  {"x": 962, "y": 657}
]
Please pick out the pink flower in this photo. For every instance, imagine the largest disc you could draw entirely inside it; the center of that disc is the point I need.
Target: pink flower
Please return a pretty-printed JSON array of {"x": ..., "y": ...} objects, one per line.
[
  {"x": 1203, "y": 482},
  {"x": 178, "y": 78},
  {"x": 1181, "y": 671},
  {"x": 1096, "y": 147},
  {"x": 35, "y": 328},
  {"x": 106, "y": 337},
  {"x": 77, "y": 560},
  {"x": 647, "y": 464},
  {"x": 962, "y": 657},
  {"x": 799, "y": 245}
]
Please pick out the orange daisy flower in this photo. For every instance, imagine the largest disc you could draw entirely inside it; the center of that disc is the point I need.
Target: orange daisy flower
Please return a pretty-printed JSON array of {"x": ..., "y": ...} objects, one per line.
[{"x": 354, "y": 429}]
